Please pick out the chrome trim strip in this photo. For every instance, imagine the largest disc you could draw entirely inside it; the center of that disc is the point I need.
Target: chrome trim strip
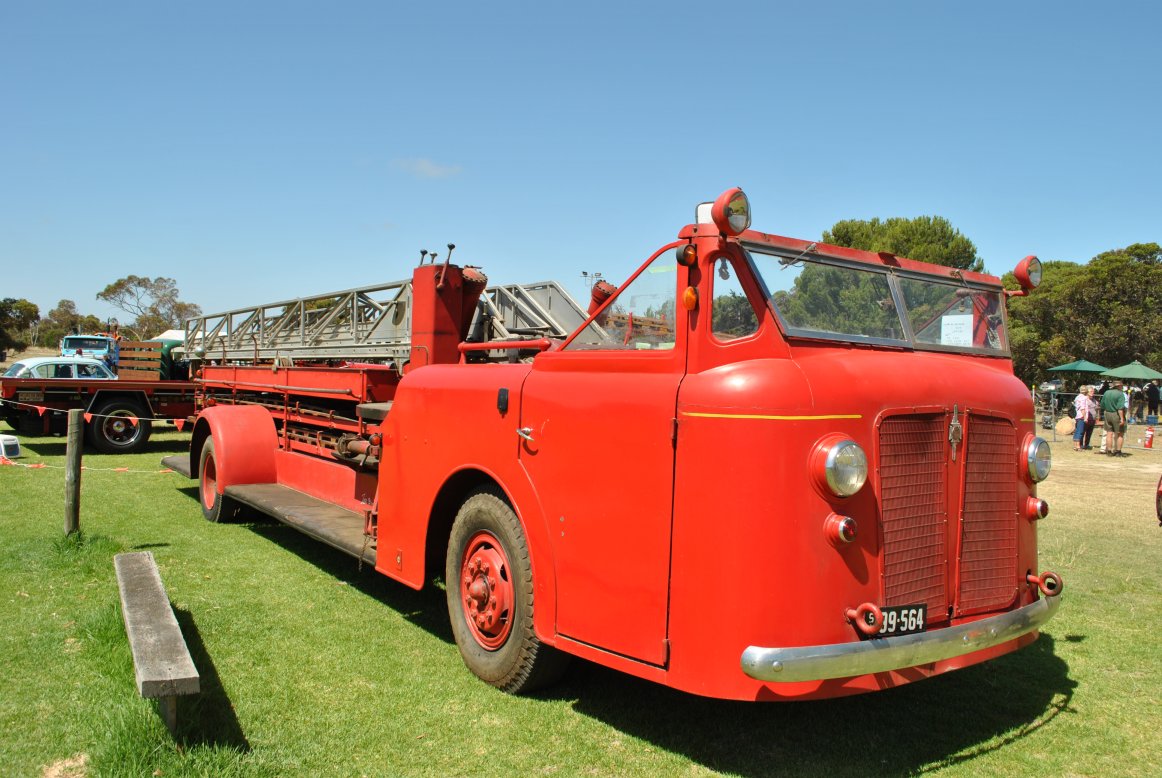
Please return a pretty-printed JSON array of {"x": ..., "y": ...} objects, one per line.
[{"x": 844, "y": 660}]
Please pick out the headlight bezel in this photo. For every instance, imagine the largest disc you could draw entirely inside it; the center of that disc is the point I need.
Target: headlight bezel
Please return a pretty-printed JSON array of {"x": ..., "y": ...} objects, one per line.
[
  {"x": 1038, "y": 458},
  {"x": 832, "y": 456}
]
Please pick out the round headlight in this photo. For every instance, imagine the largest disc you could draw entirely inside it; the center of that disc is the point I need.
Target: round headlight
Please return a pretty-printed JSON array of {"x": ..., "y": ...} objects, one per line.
[
  {"x": 1038, "y": 458},
  {"x": 844, "y": 467},
  {"x": 731, "y": 211}
]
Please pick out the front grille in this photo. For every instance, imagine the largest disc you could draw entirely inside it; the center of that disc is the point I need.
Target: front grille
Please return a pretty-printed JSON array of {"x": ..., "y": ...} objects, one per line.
[
  {"x": 914, "y": 467},
  {"x": 912, "y": 513},
  {"x": 988, "y": 550}
]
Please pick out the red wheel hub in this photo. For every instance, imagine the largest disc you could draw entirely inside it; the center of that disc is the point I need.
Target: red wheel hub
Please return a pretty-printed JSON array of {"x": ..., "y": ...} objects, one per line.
[
  {"x": 209, "y": 482},
  {"x": 486, "y": 589}
]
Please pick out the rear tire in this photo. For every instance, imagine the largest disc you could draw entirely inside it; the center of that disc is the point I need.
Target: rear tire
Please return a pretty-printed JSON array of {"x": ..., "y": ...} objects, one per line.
[
  {"x": 112, "y": 432},
  {"x": 490, "y": 598},
  {"x": 215, "y": 507}
]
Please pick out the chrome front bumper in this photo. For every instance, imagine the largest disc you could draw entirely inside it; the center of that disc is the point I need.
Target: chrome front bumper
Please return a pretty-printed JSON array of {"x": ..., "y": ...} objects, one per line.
[{"x": 844, "y": 660}]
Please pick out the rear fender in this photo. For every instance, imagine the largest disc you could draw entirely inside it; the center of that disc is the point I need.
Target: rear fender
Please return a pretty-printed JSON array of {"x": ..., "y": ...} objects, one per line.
[
  {"x": 102, "y": 396},
  {"x": 245, "y": 442}
]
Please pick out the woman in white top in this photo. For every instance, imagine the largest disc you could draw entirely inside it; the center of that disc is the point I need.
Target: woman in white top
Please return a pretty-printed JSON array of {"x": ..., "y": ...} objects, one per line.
[{"x": 1080, "y": 413}]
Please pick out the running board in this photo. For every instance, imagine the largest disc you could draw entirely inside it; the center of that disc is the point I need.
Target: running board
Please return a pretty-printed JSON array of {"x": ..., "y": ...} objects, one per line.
[
  {"x": 179, "y": 463},
  {"x": 337, "y": 527}
]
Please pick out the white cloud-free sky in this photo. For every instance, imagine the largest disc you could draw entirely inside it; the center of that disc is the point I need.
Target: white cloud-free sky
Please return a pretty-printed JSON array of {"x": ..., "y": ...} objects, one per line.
[{"x": 259, "y": 151}]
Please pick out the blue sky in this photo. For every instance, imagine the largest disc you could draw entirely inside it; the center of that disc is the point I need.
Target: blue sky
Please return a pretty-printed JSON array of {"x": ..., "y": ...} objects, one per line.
[{"x": 259, "y": 151}]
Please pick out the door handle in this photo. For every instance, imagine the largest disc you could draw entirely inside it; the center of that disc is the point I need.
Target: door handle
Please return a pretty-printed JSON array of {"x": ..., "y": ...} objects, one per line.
[{"x": 526, "y": 433}]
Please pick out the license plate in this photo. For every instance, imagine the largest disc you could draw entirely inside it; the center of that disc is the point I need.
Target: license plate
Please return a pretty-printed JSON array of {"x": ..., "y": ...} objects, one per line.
[
  {"x": 30, "y": 397},
  {"x": 903, "y": 619}
]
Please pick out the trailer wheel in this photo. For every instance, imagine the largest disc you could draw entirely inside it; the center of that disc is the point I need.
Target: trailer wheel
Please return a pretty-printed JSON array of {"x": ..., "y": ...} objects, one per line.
[
  {"x": 112, "y": 430},
  {"x": 490, "y": 598},
  {"x": 215, "y": 507}
]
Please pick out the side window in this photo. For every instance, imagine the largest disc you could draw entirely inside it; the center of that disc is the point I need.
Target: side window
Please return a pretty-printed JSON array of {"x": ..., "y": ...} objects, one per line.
[
  {"x": 641, "y": 316},
  {"x": 732, "y": 316},
  {"x": 43, "y": 371},
  {"x": 64, "y": 371}
]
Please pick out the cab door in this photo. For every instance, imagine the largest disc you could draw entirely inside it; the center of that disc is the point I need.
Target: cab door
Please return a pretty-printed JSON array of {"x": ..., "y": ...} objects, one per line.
[{"x": 598, "y": 422}]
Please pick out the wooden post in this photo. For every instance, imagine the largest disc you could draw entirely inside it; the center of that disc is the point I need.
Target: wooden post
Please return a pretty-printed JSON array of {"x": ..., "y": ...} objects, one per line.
[{"x": 73, "y": 470}]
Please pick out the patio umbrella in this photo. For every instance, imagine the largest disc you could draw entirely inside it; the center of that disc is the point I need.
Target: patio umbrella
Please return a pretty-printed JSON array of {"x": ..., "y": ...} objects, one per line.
[
  {"x": 1135, "y": 370},
  {"x": 1079, "y": 366}
]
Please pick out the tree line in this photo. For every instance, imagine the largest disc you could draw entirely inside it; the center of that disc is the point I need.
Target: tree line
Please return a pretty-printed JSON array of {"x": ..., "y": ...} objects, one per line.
[
  {"x": 153, "y": 304},
  {"x": 1108, "y": 310}
]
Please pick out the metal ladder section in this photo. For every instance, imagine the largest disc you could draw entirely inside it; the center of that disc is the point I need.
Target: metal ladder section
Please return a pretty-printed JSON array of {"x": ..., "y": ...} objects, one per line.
[{"x": 374, "y": 323}]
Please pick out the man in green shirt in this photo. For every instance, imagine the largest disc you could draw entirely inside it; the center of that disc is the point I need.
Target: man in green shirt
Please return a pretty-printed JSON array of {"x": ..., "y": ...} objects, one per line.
[{"x": 1113, "y": 409}]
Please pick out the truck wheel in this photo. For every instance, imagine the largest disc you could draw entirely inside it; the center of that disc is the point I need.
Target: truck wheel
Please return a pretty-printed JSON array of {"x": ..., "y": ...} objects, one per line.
[
  {"x": 215, "y": 507},
  {"x": 112, "y": 432},
  {"x": 27, "y": 424},
  {"x": 490, "y": 598}
]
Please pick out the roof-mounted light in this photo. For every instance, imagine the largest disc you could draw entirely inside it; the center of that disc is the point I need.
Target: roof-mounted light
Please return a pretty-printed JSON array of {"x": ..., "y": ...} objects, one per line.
[
  {"x": 1028, "y": 272},
  {"x": 731, "y": 212}
]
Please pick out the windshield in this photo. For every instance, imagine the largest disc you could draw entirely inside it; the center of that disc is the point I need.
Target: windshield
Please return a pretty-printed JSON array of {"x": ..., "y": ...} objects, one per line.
[
  {"x": 86, "y": 343},
  {"x": 817, "y": 297},
  {"x": 15, "y": 370}
]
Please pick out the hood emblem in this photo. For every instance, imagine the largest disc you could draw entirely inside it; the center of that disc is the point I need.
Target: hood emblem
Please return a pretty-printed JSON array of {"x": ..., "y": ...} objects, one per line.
[{"x": 955, "y": 431}]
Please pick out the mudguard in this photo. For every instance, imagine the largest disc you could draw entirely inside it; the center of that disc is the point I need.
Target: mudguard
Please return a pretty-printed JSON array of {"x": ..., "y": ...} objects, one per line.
[{"x": 245, "y": 444}]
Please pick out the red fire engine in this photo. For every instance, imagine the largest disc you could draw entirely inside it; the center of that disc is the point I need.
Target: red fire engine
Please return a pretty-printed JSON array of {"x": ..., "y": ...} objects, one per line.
[{"x": 761, "y": 469}]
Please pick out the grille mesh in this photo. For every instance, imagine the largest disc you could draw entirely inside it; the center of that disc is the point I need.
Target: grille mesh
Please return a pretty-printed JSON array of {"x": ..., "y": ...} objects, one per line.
[
  {"x": 989, "y": 541},
  {"x": 913, "y": 517}
]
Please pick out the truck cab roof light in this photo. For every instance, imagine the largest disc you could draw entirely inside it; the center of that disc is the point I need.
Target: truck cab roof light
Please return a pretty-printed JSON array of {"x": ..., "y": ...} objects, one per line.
[
  {"x": 731, "y": 212},
  {"x": 1028, "y": 273}
]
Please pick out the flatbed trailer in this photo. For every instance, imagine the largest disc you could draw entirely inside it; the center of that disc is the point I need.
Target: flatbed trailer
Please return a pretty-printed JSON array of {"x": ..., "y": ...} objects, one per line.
[
  {"x": 761, "y": 469},
  {"x": 119, "y": 415}
]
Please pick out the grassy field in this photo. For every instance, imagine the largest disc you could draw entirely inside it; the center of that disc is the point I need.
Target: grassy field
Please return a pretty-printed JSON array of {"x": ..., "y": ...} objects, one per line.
[{"x": 311, "y": 667}]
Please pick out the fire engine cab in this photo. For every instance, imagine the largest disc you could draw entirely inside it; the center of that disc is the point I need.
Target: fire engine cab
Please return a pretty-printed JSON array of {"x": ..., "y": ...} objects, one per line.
[{"x": 761, "y": 469}]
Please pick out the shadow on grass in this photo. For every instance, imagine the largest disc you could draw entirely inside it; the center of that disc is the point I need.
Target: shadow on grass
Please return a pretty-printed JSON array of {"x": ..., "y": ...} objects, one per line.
[
  {"x": 939, "y": 722},
  {"x": 206, "y": 718},
  {"x": 57, "y": 447},
  {"x": 427, "y": 609},
  {"x": 922, "y": 727}
]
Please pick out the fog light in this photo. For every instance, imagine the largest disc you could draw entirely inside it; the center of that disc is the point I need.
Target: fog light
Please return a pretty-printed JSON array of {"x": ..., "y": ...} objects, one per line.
[
  {"x": 840, "y": 530},
  {"x": 1036, "y": 508}
]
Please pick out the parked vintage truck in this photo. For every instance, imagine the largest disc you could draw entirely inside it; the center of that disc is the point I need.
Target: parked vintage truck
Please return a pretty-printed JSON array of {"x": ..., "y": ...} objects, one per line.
[
  {"x": 103, "y": 346},
  {"x": 120, "y": 414},
  {"x": 761, "y": 469}
]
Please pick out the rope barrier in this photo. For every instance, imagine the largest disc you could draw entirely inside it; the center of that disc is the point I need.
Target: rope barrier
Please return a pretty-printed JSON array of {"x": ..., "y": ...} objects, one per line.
[
  {"x": 42, "y": 409},
  {"x": 6, "y": 462}
]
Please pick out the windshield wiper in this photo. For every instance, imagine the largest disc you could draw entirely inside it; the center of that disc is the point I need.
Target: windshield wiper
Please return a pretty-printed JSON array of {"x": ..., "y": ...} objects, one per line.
[{"x": 786, "y": 262}]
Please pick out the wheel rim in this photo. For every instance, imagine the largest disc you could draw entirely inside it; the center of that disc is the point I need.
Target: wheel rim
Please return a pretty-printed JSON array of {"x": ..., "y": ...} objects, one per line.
[
  {"x": 119, "y": 430},
  {"x": 209, "y": 483},
  {"x": 486, "y": 590}
]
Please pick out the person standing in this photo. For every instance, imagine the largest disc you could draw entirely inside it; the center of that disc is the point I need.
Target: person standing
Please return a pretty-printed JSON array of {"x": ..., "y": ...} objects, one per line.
[
  {"x": 1113, "y": 407},
  {"x": 1152, "y": 397},
  {"x": 1080, "y": 410},
  {"x": 1091, "y": 411},
  {"x": 1137, "y": 402}
]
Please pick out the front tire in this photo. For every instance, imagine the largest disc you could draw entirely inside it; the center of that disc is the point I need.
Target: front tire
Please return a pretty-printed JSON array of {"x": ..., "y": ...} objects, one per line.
[
  {"x": 215, "y": 507},
  {"x": 490, "y": 598},
  {"x": 114, "y": 431}
]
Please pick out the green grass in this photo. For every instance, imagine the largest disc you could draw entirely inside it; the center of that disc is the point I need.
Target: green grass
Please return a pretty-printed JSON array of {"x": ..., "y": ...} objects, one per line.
[{"x": 310, "y": 667}]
